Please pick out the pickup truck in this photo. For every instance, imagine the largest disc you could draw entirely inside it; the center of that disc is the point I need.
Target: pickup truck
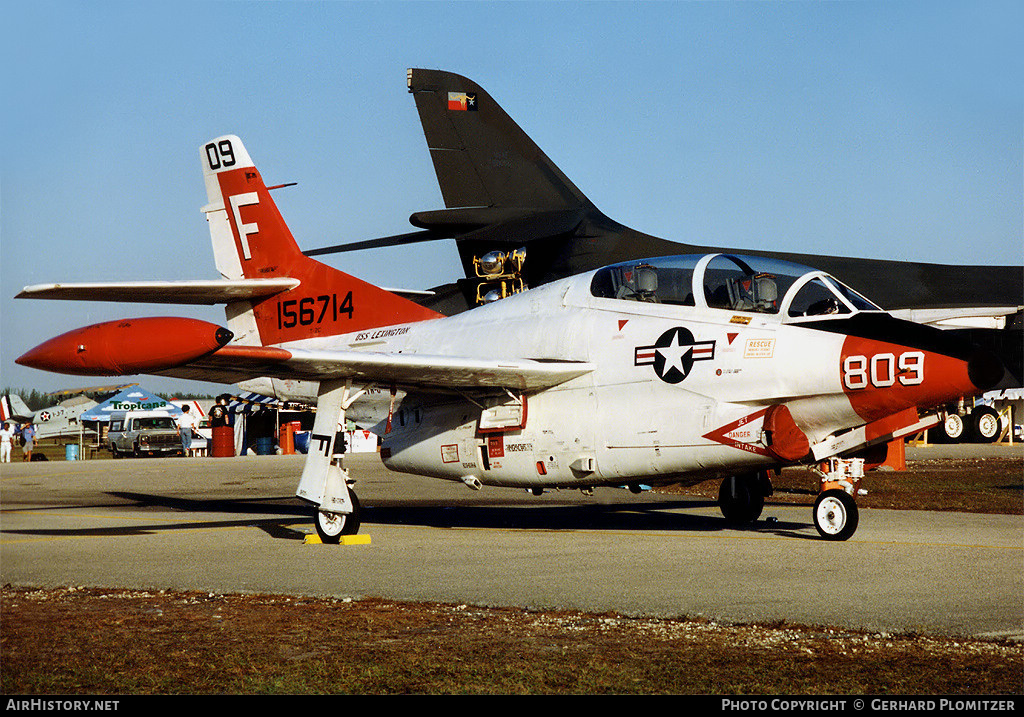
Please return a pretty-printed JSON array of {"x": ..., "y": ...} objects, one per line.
[{"x": 140, "y": 433}]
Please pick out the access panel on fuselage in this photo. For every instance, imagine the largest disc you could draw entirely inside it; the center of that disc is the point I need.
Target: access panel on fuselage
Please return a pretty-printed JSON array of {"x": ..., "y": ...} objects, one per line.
[{"x": 442, "y": 437}]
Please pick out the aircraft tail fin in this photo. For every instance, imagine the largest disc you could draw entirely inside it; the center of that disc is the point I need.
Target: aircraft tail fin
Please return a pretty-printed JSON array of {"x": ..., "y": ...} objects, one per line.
[
  {"x": 252, "y": 241},
  {"x": 12, "y": 408},
  {"x": 481, "y": 156}
]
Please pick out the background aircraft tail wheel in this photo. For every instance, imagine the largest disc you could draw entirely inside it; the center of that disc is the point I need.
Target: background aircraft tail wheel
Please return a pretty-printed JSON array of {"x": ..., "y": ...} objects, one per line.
[
  {"x": 986, "y": 424},
  {"x": 835, "y": 515},
  {"x": 741, "y": 499},
  {"x": 331, "y": 526}
]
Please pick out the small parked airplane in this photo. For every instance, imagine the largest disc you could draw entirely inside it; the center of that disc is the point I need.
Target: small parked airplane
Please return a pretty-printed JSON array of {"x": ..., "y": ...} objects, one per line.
[
  {"x": 646, "y": 372},
  {"x": 61, "y": 419}
]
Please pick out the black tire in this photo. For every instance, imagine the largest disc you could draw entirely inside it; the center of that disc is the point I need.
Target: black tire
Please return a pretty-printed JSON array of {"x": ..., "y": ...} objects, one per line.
[
  {"x": 986, "y": 424},
  {"x": 952, "y": 430},
  {"x": 330, "y": 531},
  {"x": 740, "y": 499},
  {"x": 835, "y": 515}
]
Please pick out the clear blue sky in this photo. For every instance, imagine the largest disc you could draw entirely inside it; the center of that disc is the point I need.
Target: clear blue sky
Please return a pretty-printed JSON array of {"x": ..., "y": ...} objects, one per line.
[{"x": 877, "y": 129}]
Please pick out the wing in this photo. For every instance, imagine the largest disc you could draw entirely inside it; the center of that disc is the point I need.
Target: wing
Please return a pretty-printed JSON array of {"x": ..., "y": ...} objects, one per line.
[
  {"x": 162, "y": 292},
  {"x": 232, "y": 364},
  {"x": 195, "y": 349}
]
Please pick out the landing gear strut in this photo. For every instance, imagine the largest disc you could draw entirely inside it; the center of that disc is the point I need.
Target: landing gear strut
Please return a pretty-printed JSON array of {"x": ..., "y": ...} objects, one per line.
[{"x": 324, "y": 481}]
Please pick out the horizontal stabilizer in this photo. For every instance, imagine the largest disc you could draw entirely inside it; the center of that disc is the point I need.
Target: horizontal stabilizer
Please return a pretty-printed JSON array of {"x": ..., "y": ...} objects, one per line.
[
  {"x": 499, "y": 226},
  {"x": 162, "y": 292},
  {"x": 396, "y": 240}
]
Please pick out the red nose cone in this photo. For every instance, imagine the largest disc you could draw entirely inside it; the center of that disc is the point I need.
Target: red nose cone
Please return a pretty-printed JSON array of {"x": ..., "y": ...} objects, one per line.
[
  {"x": 130, "y": 346},
  {"x": 884, "y": 378}
]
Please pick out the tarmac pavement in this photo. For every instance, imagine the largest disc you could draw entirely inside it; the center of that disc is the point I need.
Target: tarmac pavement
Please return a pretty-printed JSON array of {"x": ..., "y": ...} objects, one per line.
[{"x": 232, "y": 525}]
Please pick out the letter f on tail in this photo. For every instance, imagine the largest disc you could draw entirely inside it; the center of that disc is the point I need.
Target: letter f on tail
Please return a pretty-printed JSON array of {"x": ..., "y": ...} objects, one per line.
[{"x": 251, "y": 240}]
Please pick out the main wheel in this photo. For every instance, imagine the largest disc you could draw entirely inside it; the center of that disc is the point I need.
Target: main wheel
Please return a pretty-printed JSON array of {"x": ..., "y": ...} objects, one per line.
[
  {"x": 741, "y": 499},
  {"x": 835, "y": 515},
  {"x": 331, "y": 526},
  {"x": 986, "y": 424},
  {"x": 952, "y": 429}
]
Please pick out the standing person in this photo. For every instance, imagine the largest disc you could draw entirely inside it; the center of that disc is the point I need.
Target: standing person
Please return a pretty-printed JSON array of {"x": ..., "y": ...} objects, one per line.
[
  {"x": 186, "y": 422},
  {"x": 6, "y": 441},
  {"x": 219, "y": 413},
  {"x": 28, "y": 435}
]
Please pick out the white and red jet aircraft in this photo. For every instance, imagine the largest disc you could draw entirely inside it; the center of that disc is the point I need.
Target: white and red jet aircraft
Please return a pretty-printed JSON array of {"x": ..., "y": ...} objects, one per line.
[{"x": 670, "y": 370}]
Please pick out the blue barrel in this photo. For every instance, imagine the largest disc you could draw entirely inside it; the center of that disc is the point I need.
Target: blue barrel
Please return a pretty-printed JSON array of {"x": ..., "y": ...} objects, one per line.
[
  {"x": 71, "y": 452},
  {"x": 302, "y": 441},
  {"x": 265, "y": 446}
]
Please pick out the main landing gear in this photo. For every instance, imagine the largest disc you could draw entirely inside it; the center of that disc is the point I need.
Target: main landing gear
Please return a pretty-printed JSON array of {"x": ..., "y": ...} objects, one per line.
[
  {"x": 741, "y": 497},
  {"x": 338, "y": 513},
  {"x": 331, "y": 526},
  {"x": 324, "y": 482}
]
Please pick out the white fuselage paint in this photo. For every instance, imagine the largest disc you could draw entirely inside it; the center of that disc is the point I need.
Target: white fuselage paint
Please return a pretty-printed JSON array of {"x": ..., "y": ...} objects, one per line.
[{"x": 620, "y": 423}]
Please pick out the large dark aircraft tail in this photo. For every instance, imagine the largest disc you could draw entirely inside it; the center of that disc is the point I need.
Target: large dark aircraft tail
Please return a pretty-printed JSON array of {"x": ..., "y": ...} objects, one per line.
[
  {"x": 509, "y": 207},
  {"x": 481, "y": 156}
]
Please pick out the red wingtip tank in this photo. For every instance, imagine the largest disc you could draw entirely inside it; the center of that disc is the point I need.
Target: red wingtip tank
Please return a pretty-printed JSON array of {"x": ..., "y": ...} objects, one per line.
[{"x": 127, "y": 346}]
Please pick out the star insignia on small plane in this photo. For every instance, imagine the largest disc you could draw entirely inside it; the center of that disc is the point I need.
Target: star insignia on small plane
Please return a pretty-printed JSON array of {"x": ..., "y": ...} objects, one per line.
[{"x": 674, "y": 354}]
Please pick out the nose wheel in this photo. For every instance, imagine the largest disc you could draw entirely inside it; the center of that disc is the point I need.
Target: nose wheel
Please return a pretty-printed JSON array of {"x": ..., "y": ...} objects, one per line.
[{"x": 835, "y": 514}]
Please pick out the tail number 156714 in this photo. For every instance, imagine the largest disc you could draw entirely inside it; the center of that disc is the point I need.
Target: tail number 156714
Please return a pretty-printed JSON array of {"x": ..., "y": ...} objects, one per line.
[{"x": 310, "y": 310}]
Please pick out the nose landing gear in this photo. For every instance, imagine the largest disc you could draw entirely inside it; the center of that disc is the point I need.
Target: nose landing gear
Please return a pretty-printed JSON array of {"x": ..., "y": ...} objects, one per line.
[
  {"x": 835, "y": 513},
  {"x": 835, "y": 510}
]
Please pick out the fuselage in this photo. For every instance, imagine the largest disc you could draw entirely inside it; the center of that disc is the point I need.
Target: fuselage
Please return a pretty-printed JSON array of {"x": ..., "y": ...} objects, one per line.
[{"x": 686, "y": 369}]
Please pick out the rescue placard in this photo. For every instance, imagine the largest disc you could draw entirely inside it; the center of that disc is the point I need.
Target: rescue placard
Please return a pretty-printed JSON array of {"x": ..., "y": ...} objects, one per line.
[{"x": 759, "y": 348}]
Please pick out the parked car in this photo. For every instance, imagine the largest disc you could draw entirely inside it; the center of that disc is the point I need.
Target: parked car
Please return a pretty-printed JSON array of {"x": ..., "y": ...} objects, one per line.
[{"x": 141, "y": 433}]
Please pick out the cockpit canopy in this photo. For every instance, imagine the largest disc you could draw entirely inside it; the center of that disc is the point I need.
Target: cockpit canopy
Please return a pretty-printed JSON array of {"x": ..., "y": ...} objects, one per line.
[{"x": 731, "y": 282}]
